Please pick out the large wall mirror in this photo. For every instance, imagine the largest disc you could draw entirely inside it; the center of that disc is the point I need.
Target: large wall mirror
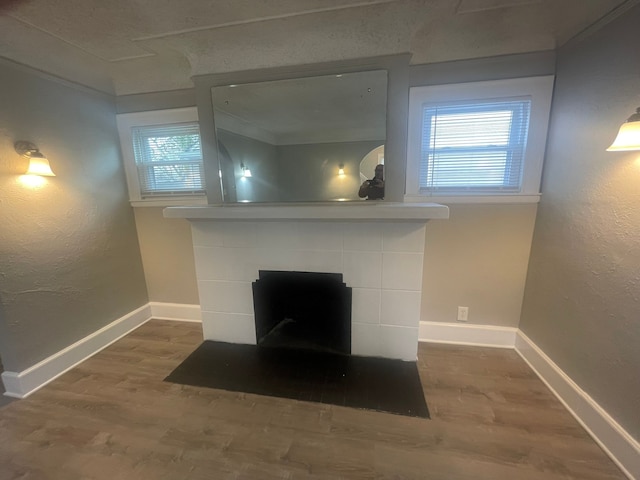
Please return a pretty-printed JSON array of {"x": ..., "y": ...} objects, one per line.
[{"x": 300, "y": 140}]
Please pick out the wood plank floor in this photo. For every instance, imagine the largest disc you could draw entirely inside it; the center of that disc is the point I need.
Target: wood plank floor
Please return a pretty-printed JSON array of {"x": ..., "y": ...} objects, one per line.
[{"x": 113, "y": 418}]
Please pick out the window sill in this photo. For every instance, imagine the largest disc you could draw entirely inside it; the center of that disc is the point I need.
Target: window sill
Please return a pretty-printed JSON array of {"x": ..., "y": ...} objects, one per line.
[
  {"x": 471, "y": 199},
  {"x": 170, "y": 201}
]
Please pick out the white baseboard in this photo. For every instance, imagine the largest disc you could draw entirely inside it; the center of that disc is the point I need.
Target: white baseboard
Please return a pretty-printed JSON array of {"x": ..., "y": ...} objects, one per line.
[
  {"x": 623, "y": 449},
  {"x": 23, "y": 384},
  {"x": 467, "y": 334},
  {"x": 182, "y": 312}
]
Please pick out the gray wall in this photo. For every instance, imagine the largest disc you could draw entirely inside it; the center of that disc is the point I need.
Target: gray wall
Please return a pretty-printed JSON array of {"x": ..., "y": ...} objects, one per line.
[
  {"x": 295, "y": 173},
  {"x": 582, "y": 296},
  {"x": 310, "y": 172},
  {"x": 69, "y": 257},
  {"x": 261, "y": 159}
]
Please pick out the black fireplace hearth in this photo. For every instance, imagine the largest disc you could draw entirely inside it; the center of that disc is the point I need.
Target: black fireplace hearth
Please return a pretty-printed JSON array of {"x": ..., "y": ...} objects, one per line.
[
  {"x": 303, "y": 351},
  {"x": 379, "y": 384}
]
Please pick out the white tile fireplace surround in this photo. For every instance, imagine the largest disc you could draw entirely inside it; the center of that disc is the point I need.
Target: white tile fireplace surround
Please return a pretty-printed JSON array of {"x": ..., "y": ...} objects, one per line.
[{"x": 378, "y": 248}]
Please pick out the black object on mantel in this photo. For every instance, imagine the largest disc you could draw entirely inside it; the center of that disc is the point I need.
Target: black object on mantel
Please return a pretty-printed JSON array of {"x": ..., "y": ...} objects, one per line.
[{"x": 379, "y": 384}]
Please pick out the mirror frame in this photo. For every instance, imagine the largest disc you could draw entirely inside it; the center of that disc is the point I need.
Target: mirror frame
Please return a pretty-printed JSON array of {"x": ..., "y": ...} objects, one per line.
[{"x": 397, "y": 67}]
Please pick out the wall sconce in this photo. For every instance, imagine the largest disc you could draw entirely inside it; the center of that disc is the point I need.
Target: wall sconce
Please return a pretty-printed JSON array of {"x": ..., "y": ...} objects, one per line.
[
  {"x": 341, "y": 169},
  {"x": 38, "y": 163},
  {"x": 629, "y": 135},
  {"x": 246, "y": 173}
]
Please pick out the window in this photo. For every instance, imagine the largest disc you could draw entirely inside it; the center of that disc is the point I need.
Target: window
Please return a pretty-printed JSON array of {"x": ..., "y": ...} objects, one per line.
[
  {"x": 478, "y": 142},
  {"x": 168, "y": 159},
  {"x": 163, "y": 157},
  {"x": 476, "y": 147}
]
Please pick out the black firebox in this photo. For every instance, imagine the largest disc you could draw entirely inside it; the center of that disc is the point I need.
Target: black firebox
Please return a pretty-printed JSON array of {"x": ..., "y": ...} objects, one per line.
[{"x": 302, "y": 310}]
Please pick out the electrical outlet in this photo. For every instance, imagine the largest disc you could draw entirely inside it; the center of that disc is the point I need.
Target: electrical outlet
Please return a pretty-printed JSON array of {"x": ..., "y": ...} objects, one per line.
[{"x": 463, "y": 314}]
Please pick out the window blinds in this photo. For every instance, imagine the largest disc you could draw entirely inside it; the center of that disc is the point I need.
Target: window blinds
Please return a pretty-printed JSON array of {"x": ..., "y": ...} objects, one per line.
[
  {"x": 474, "y": 147},
  {"x": 168, "y": 159}
]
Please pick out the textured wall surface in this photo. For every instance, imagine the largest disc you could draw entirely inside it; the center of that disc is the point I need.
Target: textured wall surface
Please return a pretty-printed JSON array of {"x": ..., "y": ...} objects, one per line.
[
  {"x": 167, "y": 256},
  {"x": 69, "y": 257},
  {"x": 582, "y": 297}
]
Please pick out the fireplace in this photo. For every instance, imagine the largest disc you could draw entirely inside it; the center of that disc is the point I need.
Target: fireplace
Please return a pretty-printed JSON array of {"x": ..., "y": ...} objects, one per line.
[
  {"x": 378, "y": 249},
  {"x": 304, "y": 310}
]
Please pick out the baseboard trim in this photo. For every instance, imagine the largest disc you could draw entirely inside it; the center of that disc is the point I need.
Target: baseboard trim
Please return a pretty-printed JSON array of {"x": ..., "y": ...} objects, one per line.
[
  {"x": 181, "y": 312},
  {"x": 22, "y": 384},
  {"x": 623, "y": 449},
  {"x": 467, "y": 334}
]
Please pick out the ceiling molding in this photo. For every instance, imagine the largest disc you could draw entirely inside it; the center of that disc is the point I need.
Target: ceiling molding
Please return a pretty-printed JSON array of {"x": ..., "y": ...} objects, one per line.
[
  {"x": 601, "y": 22},
  {"x": 239, "y": 126},
  {"x": 54, "y": 78},
  {"x": 164, "y": 100}
]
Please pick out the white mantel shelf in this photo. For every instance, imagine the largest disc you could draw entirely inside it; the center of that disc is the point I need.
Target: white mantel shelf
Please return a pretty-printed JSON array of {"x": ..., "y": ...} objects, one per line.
[{"x": 325, "y": 211}]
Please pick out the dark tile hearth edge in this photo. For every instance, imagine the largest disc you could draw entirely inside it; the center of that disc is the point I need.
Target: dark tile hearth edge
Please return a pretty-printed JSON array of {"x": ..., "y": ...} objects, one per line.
[{"x": 372, "y": 383}]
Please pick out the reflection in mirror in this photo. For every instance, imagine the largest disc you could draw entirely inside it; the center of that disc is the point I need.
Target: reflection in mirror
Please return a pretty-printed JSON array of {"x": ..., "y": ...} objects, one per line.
[
  {"x": 295, "y": 136},
  {"x": 369, "y": 162},
  {"x": 372, "y": 175}
]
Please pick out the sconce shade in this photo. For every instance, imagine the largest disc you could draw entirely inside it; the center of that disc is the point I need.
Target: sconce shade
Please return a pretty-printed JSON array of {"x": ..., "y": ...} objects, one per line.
[
  {"x": 38, "y": 163},
  {"x": 341, "y": 169},
  {"x": 245, "y": 170},
  {"x": 40, "y": 166},
  {"x": 629, "y": 135}
]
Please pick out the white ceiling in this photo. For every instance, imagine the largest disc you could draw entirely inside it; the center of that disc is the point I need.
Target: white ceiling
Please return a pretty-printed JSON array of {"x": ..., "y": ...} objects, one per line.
[{"x": 133, "y": 46}]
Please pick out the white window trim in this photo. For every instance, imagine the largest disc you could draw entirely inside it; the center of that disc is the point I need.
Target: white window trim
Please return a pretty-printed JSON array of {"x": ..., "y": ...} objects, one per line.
[
  {"x": 125, "y": 122},
  {"x": 539, "y": 89}
]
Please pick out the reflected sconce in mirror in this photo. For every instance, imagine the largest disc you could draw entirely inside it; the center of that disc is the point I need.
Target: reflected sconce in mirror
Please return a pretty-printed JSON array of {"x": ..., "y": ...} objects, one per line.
[
  {"x": 629, "y": 135},
  {"x": 246, "y": 173},
  {"x": 38, "y": 163},
  {"x": 341, "y": 169}
]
